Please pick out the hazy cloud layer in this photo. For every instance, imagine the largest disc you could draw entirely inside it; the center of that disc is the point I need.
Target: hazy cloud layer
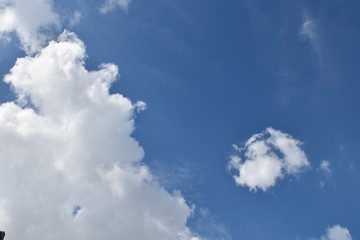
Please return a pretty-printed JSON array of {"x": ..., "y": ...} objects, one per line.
[
  {"x": 69, "y": 168},
  {"x": 29, "y": 20},
  {"x": 110, "y": 5},
  {"x": 75, "y": 19},
  {"x": 267, "y": 157}
]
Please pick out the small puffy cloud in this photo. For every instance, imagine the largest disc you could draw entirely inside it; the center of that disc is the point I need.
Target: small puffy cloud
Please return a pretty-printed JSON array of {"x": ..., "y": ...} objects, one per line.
[
  {"x": 267, "y": 157},
  {"x": 337, "y": 233},
  {"x": 110, "y": 5},
  {"x": 69, "y": 166},
  {"x": 140, "y": 106},
  {"x": 325, "y": 166},
  {"x": 30, "y": 20}
]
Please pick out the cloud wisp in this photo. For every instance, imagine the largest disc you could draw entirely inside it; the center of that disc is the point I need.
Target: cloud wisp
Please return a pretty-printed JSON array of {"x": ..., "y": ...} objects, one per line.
[
  {"x": 110, "y": 5},
  {"x": 30, "y": 20},
  {"x": 310, "y": 32},
  {"x": 69, "y": 167},
  {"x": 325, "y": 166},
  {"x": 326, "y": 173},
  {"x": 267, "y": 157}
]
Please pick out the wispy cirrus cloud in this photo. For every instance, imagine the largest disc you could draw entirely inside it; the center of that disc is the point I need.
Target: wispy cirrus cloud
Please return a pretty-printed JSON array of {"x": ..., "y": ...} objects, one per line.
[
  {"x": 326, "y": 173},
  {"x": 210, "y": 227},
  {"x": 267, "y": 157},
  {"x": 110, "y": 5},
  {"x": 310, "y": 31},
  {"x": 75, "y": 18}
]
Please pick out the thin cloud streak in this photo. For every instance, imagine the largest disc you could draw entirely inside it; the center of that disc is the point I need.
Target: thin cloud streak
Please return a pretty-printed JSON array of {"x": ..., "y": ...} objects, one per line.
[
  {"x": 110, "y": 5},
  {"x": 310, "y": 31}
]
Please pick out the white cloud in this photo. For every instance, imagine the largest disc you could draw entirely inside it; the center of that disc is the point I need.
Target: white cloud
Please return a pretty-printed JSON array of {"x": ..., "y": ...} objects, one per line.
[
  {"x": 325, "y": 166},
  {"x": 110, "y": 5},
  {"x": 140, "y": 106},
  {"x": 337, "y": 233},
  {"x": 69, "y": 168},
  {"x": 267, "y": 157},
  {"x": 29, "y": 20},
  {"x": 325, "y": 173}
]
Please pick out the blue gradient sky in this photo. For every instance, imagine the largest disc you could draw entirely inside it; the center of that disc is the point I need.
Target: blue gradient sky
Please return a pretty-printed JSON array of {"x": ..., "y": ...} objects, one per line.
[{"x": 212, "y": 73}]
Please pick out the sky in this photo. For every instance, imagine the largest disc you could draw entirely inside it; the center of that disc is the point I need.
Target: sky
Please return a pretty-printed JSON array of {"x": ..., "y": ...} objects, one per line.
[{"x": 179, "y": 119}]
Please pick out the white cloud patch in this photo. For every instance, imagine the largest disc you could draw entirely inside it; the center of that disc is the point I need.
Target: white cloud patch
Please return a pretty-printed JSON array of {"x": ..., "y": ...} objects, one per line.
[
  {"x": 30, "y": 20},
  {"x": 69, "y": 168},
  {"x": 325, "y": 166},
  {"x": 267, "y": 157},
  {"x": 110, "y": 5},
  {"x": 336, "y": 233},
  {"x": 325, "y": 170}
]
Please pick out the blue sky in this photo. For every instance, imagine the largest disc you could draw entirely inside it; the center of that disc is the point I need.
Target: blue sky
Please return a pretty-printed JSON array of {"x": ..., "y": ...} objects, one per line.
[{"x": 213, "y": 74}]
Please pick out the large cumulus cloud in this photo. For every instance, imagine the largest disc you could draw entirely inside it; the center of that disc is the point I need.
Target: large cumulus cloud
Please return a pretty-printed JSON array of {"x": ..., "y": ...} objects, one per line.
[{"x": 69, "y": 168}]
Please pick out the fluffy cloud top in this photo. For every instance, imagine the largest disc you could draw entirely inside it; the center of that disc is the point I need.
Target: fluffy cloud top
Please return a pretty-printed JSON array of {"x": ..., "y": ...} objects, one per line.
[
  {"x": 29, "y": 20},
  {"x": 110, "y": 5},
  {"x": 267, "y": 157},
  {"x": 69, "y": 168},
  {"x": 337, "y": 233}
]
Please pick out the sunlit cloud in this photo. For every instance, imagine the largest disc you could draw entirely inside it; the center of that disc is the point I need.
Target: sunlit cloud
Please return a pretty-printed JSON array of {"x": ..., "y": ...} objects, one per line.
[
  {"x": 69, "y": 167},
  {"x": 266, "y": 158}
]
